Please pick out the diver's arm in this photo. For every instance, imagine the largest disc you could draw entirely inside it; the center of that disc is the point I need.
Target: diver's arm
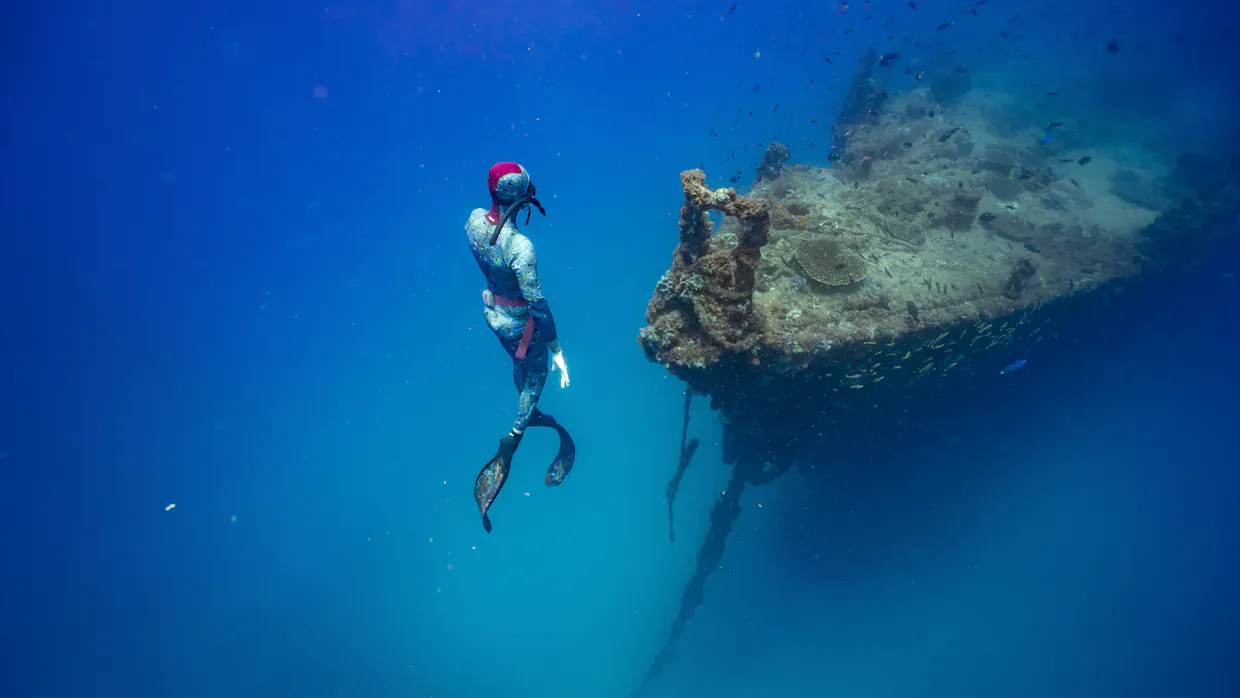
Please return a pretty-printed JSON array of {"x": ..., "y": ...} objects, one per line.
[{"x": 524, "y": 265}]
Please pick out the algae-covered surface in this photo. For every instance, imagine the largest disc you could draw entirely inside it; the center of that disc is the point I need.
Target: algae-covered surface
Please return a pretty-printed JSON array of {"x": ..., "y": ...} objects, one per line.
[
  {"x": 938, "y": 233},
  {"x": 942, "y": 225}
]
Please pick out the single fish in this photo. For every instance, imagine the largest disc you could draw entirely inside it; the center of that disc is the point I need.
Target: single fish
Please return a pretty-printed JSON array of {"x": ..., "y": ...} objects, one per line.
[
  {"x": 943, "y": 138},
  {"x": 1013, "y": 366}
]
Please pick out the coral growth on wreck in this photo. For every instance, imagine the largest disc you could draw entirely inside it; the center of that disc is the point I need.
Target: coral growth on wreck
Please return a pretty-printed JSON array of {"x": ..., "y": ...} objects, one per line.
[
  {"x": 702, "y": 307},
  {"x": 930, "y": 207},
  {"x": 829, "y": 262}
]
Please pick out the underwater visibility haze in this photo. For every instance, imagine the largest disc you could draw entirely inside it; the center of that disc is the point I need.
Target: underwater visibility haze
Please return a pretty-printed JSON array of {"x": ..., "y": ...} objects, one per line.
[{"x": 902, "y": 340}]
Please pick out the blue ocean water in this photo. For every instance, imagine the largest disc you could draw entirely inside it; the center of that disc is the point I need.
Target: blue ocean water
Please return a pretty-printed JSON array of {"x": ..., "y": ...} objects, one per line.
[{"x": 234, "y": 279}]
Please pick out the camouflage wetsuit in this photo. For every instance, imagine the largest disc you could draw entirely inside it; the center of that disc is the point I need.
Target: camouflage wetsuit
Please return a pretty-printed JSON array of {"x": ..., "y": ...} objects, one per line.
[{"x": 511, "y": 272}]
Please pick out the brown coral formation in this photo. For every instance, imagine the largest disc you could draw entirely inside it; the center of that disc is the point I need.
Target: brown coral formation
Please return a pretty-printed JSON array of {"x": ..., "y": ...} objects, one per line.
[{"x": 703, "y": 307}]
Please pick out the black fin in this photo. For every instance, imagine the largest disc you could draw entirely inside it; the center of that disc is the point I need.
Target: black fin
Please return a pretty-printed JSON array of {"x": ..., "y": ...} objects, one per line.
[
  {"x": 492, "y": 477},
  {"x": 563, "y": 463},
  {"x": 567, "y": 454},
  {"x": 488, "y": 485}
]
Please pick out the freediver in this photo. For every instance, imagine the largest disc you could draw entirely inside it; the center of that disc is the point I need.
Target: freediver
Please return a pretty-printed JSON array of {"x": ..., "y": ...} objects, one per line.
[{"x": 518, "y": 314}]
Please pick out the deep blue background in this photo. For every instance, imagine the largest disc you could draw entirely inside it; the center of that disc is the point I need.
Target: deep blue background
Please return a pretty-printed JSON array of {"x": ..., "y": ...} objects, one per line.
[{"x": 224, "y": 291}]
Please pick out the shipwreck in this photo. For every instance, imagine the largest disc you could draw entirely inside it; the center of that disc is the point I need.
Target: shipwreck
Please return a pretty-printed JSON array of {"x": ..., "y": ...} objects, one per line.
[{"x": 935, "y": 248}]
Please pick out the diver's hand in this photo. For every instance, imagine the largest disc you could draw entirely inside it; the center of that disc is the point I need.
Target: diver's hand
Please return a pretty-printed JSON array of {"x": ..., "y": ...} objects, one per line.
[{"x": 557, "y": 361}]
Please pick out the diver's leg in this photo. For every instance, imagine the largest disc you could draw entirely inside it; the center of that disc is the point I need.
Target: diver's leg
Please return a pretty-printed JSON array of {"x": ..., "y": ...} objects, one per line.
[
  {"x": 530, "y": 377},
  {"x": 494, "y": 474}
]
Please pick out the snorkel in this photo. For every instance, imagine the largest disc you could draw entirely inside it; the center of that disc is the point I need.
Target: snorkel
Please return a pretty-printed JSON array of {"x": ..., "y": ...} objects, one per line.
[{"x": 516, "y": 207}]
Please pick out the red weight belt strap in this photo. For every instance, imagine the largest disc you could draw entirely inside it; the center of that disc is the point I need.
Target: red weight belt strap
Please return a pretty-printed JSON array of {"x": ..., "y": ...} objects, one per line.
[{"x": 528, "y": 333}]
